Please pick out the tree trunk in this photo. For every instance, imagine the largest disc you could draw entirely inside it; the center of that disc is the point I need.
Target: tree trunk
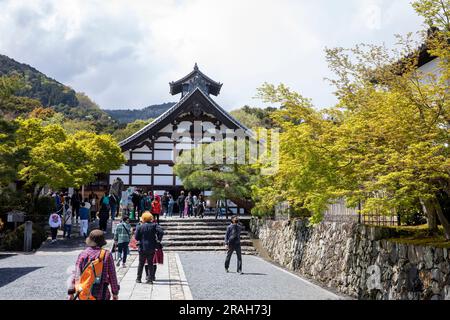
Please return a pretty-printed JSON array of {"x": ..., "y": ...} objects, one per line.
[
  {"x": 430, "y": 213},
  {"x": 34, "y": 198},
  {"x": 444, "y": 221}
]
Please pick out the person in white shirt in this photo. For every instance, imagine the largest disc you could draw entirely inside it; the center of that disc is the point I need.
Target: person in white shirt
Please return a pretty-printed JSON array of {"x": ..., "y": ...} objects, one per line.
[
  {"x": 67, "y": 221},
  {"x": 55, "y": 223}
]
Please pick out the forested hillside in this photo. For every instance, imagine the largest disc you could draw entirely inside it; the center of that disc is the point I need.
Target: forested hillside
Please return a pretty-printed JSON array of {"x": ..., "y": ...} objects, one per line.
[
  {"x": 53, "y": 94},
  {"x": 131, "y": 115}
]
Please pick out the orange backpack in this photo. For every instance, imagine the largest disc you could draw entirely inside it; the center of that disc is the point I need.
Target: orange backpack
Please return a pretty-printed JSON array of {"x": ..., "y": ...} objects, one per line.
[{"x": 90, "y": 276}]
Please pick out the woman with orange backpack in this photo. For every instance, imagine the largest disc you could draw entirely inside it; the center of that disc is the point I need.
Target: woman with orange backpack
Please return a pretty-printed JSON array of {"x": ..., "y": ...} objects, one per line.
[
  {"x": 156, "y": 208},
  {"x": 94, "y": 272}
]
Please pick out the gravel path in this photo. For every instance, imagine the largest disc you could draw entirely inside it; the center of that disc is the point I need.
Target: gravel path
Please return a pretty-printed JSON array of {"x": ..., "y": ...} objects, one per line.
[{"x": 261, "y": 280}]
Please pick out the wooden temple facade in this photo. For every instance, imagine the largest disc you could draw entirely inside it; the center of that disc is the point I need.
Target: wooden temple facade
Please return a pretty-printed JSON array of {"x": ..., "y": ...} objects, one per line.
[{"x": 151, "y": 151}]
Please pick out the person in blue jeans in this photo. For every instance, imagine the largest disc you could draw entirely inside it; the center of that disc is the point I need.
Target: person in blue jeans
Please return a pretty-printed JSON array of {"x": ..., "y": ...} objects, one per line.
[
  {"x": 122, "y": 238},
  {"x": 84, "y": 220}
]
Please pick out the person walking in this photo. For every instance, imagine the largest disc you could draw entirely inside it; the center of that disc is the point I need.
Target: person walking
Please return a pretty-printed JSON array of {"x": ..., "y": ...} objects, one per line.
[
  {"x": 181, "y": 204},
  {"x": 84, "y": 219},
  {"x": 55, "y": 223},
  {"x": 93, "y": 199},
  {"x": 113, "y": 205},
  {"x": 233, "y": 243},
  {"x": 67, "y": 221},
  {"x": 103, "y": 216},
  {"x": 165, "y": 204},
  {"x": 201, "y": 206},
  {"x": 158, "y": 258},
  {"x": 156, "y": 208},
  {"x": 195, "y": 205},
  {"x": 170, "y": 206},
  {"x": 136, "y": 199},
  {"x": 147, "y": 234},
  {"x": 122, "y": 238},
  {"x": 189, "y": 202},
  {"x": 146, "y": 202},
  {"x": 75, "y": 202},
  {"x": 108, "y": 278}
]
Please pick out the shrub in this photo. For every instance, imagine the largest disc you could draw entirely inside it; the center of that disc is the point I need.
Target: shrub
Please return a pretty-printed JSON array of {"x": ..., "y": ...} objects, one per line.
[
  {"x": 13, "y": 240},
  {"x": 413, "y": 218}
]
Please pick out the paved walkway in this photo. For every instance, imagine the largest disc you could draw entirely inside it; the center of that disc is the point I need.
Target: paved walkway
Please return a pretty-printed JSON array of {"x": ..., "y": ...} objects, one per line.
[
  {"x": 170, "y": 284},
  {"x": 44, "y": 275}
]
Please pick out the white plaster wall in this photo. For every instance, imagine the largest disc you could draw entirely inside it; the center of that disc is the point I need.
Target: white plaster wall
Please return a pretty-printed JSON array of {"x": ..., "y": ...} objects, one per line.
[
  {"x": 144, "y": 180},
  {"x": 124, "y": 169},
  {"x": 163, "y": 169},
  {"x": 168, "y": 146},
  {"x": 142, "y": 156},
  {"x": 163, "y": 180},
  {"x": 164, "y": 155},
  {"x": 141, "y": 169}
]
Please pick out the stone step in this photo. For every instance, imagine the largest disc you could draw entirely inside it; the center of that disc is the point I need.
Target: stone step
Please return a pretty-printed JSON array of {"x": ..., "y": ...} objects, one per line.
[
  {"x": 198, "y": 232},
  {"x": 193, "y": 223},
  {"x": 198, "y": 237},
  {"x": 247, "y": 250},
  {"x": 201, "y": 243}
]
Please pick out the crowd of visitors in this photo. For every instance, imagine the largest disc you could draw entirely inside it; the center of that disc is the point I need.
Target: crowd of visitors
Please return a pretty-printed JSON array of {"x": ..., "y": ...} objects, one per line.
[{"x": 95, "y": 275}]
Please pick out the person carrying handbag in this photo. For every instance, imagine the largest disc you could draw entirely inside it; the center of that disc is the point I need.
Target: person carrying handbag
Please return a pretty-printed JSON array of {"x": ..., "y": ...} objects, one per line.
[{"x": 122, "y": 238}]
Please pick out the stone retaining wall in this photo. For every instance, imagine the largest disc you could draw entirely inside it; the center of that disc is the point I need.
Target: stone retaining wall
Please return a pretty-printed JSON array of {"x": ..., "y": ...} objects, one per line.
[{"x": 357, "y": 260}]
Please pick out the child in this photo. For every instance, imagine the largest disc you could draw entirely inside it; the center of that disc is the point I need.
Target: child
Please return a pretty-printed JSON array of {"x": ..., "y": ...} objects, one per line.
[{"x": 55, "y": 222}]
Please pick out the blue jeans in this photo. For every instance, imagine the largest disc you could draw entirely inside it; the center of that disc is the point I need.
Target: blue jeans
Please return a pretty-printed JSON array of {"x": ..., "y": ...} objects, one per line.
[
  {"x": 122, "y": 248},
  {"x": 170, "y": 210},
  {"x": 68, "y": 230},
  {"x": 113, "y": 211}
]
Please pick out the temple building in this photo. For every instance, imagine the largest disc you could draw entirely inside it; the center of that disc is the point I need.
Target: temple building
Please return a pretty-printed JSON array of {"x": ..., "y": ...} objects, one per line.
[{"x": 151, "y": 151}]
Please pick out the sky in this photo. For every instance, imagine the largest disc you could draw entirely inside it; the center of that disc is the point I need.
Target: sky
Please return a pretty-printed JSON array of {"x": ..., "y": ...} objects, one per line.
[{"x": 123, "y": 54}]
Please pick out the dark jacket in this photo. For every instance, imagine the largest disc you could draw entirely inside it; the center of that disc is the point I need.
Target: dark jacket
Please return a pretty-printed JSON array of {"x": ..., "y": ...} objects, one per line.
[
  {"x": 180, "y": 202},
  {"x": 233, "y": 235},
  {"x": 103, "y": 213},
  {"x": 147, "y": 234}
]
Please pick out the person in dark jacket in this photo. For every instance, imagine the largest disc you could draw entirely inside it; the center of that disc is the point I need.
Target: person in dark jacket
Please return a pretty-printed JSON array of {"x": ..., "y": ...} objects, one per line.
[
  {"x": 103, "y": 216},
  {"x": 233, "y": 243},
  {"x": 136, "y": 200},
  {"x": 148, "y": 235},
  {"x": 180, "y": 202},
  {"x": 75, "y": 202}
]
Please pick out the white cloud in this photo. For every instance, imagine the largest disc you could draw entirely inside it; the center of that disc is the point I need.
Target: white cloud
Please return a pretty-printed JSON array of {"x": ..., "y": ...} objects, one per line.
[{"x": 124, "y": 53}]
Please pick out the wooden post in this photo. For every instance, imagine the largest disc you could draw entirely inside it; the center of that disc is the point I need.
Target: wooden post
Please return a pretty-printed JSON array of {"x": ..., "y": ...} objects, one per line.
[{"x": 28, "y": 236}]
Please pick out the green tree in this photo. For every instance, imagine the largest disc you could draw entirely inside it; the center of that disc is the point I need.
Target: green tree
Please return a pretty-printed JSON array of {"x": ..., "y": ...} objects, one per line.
[
  {"x": 131, "y": 128},
  {"x": 206, "y": 168}
]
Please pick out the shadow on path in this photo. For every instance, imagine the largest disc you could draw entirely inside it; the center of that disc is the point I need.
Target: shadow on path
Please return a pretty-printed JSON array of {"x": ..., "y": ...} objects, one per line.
[{"x": 11, "y": 274}]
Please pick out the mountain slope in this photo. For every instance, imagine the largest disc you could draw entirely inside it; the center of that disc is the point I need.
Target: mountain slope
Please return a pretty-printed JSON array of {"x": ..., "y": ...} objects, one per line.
[
  {"x": 130, "y": 115},
  {"x": 53, "y": 94}
]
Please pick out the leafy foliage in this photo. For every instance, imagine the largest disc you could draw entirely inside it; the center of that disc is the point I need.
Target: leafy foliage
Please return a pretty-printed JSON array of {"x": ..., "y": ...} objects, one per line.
[
  {"x": 385, "y": 144},
  {"x": 131, "y": 128},
  {"x": 254, "y": 117}
]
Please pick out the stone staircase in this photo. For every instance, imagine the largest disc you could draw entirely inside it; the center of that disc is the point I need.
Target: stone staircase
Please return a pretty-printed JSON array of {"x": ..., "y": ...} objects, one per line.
[{"x": 194, "y": 234}]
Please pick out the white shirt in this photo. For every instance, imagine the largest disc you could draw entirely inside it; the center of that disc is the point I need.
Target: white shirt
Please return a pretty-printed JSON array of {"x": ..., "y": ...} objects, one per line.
[{"x": 54, "y": 224}]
